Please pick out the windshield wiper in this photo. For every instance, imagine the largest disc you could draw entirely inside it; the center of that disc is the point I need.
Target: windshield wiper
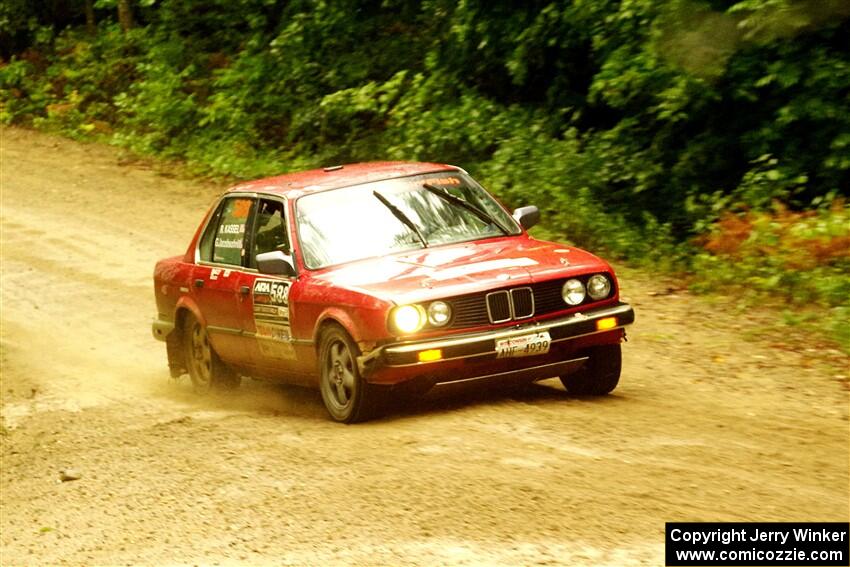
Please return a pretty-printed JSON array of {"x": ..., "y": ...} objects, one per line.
[
  {"x": 446, "y": 196},
  {"x": 402, "y": 217}
]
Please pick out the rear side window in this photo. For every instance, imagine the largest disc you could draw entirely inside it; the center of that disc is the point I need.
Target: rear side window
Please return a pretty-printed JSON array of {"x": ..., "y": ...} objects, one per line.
[{"x": 223, "y": 241}]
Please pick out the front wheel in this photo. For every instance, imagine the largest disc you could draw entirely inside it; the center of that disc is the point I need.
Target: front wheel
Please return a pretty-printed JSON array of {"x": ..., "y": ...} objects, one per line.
[
  {"x": 206, "y": 370},
  {"x": 599, "y": 375},
  {"x": 347, "y": 397}
]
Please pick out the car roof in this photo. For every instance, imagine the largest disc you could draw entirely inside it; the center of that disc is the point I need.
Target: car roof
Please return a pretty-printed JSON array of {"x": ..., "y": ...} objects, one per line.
[{"x": 314, "y": 180}]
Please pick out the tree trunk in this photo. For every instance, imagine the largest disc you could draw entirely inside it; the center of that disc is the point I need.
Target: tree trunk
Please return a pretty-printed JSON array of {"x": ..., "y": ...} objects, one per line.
[
  {"x": 125, "y": 15},
  {"x": 91, "y": 24}
]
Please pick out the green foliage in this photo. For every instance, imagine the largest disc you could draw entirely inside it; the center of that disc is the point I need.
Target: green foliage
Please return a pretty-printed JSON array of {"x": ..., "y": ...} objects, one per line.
[
  {"x": 636, "y": 125},
  {"x": 766, "y": 182},
  {"x": 571, "y": 180},
  {"x": 803, "y": 257}
]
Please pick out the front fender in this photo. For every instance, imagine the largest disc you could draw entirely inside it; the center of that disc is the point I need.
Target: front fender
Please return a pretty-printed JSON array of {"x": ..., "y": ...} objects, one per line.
[{"x": 341, "y": 317}]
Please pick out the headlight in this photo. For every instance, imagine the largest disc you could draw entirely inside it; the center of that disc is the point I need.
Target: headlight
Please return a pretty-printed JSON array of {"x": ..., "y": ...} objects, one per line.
[
  {"x": 408, "y": 318},
  {"x": 598, "y": 287},
  {"x": 573, "y": 292},
  {"x": 439, "y": 313}
]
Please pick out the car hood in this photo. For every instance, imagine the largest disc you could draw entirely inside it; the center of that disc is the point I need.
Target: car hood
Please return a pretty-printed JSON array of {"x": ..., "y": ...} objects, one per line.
[{"x": 457, "y": 269}]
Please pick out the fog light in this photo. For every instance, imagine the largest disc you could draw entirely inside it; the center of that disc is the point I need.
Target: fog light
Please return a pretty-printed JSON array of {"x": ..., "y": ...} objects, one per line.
[
  {"x": 606, "y": 323},
  {"x": 430, "y": 355}
]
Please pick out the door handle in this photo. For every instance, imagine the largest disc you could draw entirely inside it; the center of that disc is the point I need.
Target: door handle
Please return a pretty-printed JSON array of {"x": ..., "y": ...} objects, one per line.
[
  {"x": 244, "y": 290},
  {"x": 199, "y": 282}
]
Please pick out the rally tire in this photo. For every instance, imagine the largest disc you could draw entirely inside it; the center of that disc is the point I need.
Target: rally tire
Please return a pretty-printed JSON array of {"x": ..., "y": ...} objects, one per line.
[
  {"x": 599, "y": 375},
  {"x": 206, "y": 369},
  {"x": 347, "y": 396}
]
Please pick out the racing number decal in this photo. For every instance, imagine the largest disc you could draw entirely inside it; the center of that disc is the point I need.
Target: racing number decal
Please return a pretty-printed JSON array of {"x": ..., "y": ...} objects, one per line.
[
  {"x": 271, "y": 292},
  {"x": 271, "y": 317}
]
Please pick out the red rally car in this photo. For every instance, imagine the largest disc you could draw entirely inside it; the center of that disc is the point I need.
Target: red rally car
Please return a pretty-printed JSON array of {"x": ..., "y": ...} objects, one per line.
[{"x": 368, "y": 278}]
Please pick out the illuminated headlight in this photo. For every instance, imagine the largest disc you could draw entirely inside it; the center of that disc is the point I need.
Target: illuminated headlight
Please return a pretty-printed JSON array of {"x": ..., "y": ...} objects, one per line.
[
  {"x": 408, "y": 318},
  {"x": 573, "y": 292},
  {"x": 598, "y": 287},
  {"x": 439, "y": 313}
]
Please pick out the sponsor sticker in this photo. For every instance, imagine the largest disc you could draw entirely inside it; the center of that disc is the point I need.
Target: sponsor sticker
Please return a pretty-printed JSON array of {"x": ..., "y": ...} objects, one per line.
[{"x": 271, "y": 318}]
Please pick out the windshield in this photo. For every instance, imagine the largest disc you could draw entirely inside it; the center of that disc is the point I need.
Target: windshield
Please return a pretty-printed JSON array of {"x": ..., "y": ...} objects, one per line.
[{"x": 396, "y": 215}]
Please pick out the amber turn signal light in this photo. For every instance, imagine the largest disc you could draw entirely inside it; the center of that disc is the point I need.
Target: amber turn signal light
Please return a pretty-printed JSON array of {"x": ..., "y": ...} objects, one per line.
[
  {"x": 606, "y": 323},
  {"x": 430, "y": 355}
]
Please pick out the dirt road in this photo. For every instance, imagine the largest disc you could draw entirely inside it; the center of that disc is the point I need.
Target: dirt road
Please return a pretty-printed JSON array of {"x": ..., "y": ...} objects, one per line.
[{"x": 708, "y": 424}]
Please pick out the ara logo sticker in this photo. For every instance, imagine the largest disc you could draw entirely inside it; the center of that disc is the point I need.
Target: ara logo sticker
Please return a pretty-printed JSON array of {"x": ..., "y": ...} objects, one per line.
[{"x": 272, "y": 292}]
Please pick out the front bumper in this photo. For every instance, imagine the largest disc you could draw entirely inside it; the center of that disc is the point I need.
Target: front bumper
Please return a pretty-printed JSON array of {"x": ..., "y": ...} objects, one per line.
[{"x": 483, "y": 345}]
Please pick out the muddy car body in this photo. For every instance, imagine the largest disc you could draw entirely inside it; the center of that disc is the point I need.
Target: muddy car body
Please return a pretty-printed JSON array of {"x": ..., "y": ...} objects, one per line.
[{"x": 369, "y": 278}]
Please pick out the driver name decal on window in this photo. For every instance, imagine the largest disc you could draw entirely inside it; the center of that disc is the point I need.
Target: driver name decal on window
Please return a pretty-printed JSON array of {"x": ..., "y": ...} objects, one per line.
[
  {"x": 230, "y": 236},
  {"x": 231, "y": 229}
]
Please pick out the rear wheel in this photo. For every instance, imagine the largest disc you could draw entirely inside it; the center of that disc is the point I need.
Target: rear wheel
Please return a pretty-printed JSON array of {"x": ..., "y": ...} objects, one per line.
[
  {"x": 599, "y": 375},
  {"x": 347, "y": 396},
  {"x": 206, "y": 369}
]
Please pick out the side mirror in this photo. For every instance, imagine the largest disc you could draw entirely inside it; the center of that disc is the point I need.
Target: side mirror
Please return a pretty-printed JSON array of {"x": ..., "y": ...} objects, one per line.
[
  {"x": 527, "y": 216},
  {"x": 275, "y": 263}
]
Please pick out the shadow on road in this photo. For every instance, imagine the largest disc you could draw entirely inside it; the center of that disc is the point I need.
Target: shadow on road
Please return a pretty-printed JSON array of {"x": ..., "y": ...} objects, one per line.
[
  {"x": 267, "y": 399},
  {"x": 444, "y": 400}
]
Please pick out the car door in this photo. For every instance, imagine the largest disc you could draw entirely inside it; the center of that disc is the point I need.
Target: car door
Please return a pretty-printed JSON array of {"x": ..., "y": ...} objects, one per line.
[
  {"x": 218, "y": 277},
  {"x": 266, "y": 312}
]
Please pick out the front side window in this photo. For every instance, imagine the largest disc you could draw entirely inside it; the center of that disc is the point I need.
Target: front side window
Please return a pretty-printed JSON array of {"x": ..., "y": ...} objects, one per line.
[
  {"x": 396, "y": 215},
  {"x": 270, "y": 229},
  {"x": 223, "y": 241}
]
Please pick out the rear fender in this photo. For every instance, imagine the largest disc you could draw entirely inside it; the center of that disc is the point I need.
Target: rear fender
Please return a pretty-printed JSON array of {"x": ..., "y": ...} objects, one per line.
[
  {"x": 174, "y": 341},
  {"x": 186, "y": 305}
]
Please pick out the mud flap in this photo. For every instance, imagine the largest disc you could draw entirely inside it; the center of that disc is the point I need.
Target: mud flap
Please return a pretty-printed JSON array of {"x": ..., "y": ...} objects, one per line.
[{"x": 176, "y": 358}]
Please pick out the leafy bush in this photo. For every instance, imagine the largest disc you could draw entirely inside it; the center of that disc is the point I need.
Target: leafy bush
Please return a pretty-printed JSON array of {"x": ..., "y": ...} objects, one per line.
[{"x": 803, "y": 257}]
